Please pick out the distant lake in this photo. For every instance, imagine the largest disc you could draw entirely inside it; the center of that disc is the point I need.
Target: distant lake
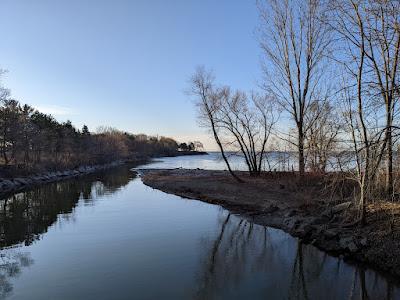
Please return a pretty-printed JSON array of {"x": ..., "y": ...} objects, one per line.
[
  {"x": 108, "y": 236},
  {"x": 213, "y": 161},
  {"x": 279, "y": 161}
]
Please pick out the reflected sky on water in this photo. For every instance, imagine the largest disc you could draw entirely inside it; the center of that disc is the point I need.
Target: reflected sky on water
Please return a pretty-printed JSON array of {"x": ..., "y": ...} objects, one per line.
[{"x": 108, "y": 236}]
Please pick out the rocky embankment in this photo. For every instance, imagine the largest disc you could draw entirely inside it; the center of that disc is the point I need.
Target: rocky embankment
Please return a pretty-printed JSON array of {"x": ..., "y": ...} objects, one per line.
[
  {"x": 309, "y": 212},
  {"x": 10, "y": 185},
  {"x": 21, "y": 183}
]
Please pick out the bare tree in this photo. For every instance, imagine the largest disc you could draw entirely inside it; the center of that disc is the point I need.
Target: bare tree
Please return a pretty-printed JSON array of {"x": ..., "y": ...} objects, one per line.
[
  {"x": 208, "y": 100},
  {"x": 349, "y": 24},
  {"x": 375, "y": 31},
  {"x": 322, "y": 136},
  {"x": 239, "y": 121},
  {"x": 248, "y": 121},
  {"x": 382, "y": 53},
  {"x": 368, "y": 41},
  {"x": 295, "y": 40}
]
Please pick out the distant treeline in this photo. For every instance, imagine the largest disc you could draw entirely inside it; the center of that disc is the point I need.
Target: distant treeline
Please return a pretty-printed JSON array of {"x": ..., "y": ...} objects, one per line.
[{"x": 31, "y": 141}]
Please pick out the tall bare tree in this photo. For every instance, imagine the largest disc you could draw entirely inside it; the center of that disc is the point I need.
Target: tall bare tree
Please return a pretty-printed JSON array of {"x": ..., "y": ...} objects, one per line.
[
  {"x": 368, "y": 41},
  {"x": 295, "y": 40},
  {"x": 382, "y": 52}
]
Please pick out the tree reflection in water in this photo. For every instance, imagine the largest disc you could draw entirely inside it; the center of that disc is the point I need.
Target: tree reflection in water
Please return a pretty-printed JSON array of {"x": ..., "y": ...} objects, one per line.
[
  {"x": 243, "y": 256},
  {"x": 25, "y": 216},
  {"x": 11, "y": 264},
  {"x": 240, "y": 260}
]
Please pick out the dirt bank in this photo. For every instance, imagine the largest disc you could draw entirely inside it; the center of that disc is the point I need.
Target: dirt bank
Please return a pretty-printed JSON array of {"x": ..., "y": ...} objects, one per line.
[{"x": 307, "y": 209}]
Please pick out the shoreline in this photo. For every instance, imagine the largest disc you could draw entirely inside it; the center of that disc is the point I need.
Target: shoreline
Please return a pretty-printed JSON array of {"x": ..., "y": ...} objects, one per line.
[
  {"x": 301, "y": 212},
  {"x": 18, "y": 184},
  {"x": 21, "y": 183}
]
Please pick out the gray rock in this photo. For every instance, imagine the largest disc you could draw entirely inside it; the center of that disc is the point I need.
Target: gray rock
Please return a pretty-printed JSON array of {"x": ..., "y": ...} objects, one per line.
[
  {"x": 7, "y": 183},
  {"x": 364, "y": 242},
  {"x": 16, "y": 183},
  {"x": 327, "y": 213},
  {"x": 29, "y": 180},
  {"x": 331, "y": 233},
  {"x": 352, "y": 247},
  {"x": 310, "y": 220},
  {"x": 290, "y": 213},
  {"x": 341, "y": 207},
  {"x": 21, "y": 181},
  {"x": 348, "y": 243},
  {"x": 304, "y": 229},
  {"x": 291, "y": 223},
  {"x": 344, "y": 241}
]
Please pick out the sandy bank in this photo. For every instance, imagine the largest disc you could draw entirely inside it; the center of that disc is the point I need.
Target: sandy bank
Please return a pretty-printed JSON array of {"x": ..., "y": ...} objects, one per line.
[{"x": 307, "y": 210}]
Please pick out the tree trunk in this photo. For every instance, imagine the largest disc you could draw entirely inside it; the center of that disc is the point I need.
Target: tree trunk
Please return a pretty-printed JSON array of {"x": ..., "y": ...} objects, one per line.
[
  {"x": 221, "y": 148},
  {"x": 227, "y": 163},
  {"x": 364, "y": 188},
  {"x": 301, "y": 152},
  {"x": 362, "y": 201},
  {"x": 389, "y": 163}
]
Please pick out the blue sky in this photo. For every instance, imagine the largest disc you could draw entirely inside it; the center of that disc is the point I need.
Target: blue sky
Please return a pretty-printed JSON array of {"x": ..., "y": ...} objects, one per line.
[{"x": 125, "y": 63}]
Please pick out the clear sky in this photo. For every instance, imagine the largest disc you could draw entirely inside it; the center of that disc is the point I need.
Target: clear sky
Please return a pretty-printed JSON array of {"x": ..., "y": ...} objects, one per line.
[{"x": 125, "y": 63}]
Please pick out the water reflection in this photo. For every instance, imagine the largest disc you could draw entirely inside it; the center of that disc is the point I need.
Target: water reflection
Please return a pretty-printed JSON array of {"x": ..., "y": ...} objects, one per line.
[
  {"x": 245, "y": 255},
  {"x": 11, "y": 264},
  {"x": 144, "y": 234},
  {"x": 27, "y": 215}
]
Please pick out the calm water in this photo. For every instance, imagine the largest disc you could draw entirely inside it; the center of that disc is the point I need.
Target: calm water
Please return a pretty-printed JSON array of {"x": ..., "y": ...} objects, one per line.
[
  {"x": 213, "y": 161},
  {"x": 107, "y": 236}
]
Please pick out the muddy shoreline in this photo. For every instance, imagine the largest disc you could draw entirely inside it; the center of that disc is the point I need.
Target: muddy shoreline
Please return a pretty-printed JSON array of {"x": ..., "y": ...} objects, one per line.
[{"x": 302, "y": 212}]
